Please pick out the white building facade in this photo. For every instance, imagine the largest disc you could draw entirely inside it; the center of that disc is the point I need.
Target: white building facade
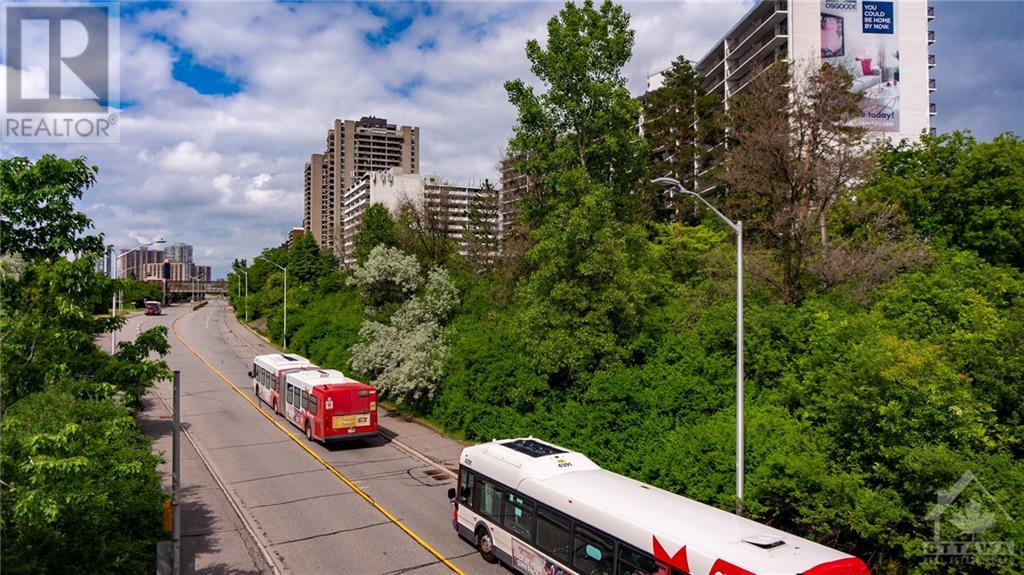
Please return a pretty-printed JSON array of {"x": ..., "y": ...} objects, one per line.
[
  {"x": 449, "y": 205},
  {"x": 883, "y": 45}
]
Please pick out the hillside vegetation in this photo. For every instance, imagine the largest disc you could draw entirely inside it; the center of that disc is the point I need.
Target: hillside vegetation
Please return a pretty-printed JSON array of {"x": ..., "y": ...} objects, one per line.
[{"x": 884, "y": 308}]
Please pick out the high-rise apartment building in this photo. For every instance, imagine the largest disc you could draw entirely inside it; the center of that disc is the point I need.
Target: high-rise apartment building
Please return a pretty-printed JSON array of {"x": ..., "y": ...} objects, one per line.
[
  {"x": 883, "y": 46},
  {"x": 179, "y": 252},
  {"x": 353, "y": 149},
  {"x": 130, "y": 262},
  {"x": 449, "y": 208},
  {"x": 313, "y": 208},
  {"x": 105, "y": 263}
]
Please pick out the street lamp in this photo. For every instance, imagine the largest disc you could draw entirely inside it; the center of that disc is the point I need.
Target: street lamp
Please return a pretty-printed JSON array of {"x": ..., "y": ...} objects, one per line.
[
  {"x": 284, "y": 334},
  {"x": 737, "y": 227},
  {"x": 117, "y": 258},
  {"x": 246, "y": 294}
]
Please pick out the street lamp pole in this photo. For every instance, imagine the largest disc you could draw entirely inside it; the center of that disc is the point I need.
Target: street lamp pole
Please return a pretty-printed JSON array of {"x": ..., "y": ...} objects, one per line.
[
  {"x": 284, "y": 335},
  {"x": 246, "y": 294},
  {"x": 737, "y": 227}
]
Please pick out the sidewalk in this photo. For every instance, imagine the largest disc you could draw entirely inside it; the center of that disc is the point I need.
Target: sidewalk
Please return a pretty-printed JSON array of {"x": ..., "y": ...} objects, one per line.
[
  {"x": 211, "y": 528},
  {"x": 403, "y": 430},
  {"x": 210, "y": 525}
]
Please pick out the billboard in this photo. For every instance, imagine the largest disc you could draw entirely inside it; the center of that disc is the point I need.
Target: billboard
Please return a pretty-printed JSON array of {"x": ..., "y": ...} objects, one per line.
[{"x": 860, "y": 37}]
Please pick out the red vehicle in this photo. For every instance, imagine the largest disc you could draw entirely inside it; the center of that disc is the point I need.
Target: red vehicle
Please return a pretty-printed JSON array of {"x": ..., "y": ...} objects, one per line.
[
  {"x": 152, "y": 307},
  {"x": 268, "y": 373},
  {"x": 329, "y": 406}
]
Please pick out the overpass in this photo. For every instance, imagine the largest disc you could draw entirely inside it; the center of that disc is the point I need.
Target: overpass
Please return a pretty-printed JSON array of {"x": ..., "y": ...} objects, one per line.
[{"x": 200, "y": 288}]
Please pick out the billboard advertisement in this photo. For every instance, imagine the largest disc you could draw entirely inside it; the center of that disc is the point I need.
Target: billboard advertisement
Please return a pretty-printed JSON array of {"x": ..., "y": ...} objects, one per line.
[{"x": 860, "y": 37}]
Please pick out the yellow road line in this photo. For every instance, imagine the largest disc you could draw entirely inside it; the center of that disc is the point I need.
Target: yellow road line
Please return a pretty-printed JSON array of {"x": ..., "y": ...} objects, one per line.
[
  {"x": 302, "y": 443},
  {"x": 402, "y": 446}
]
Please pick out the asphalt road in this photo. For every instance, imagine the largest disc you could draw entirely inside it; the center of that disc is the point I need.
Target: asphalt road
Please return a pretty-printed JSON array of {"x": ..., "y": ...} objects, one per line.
[{"x": 303, "y": 515}]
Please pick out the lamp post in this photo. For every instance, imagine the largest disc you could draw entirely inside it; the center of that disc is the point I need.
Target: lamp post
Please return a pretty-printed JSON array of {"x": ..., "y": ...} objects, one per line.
[
  {"x": 284, "y": 334},
  {"x": 117, "y": 257},
  {"x": 737, "y": 227},
  {"x": 246, "y": 294}
]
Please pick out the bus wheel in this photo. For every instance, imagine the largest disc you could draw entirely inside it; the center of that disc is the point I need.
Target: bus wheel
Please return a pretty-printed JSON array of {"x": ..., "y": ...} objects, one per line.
[{"x": 485, "y": 545}]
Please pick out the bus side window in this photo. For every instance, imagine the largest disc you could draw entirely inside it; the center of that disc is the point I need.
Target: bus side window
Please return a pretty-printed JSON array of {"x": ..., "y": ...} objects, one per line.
[
  {"x": 305, "y": 400},
  {"x": 466, "y": 487},
  {"x": 553, "y": 534},
  {"x": 519, "y": 516},
  {"x": 633, "y": 562},
  {"x": 488, "y": 500},
  {"x": 312, "y": 405},
  {"x": 288, "y": 396},
  {"x": 592, "y": 553}
]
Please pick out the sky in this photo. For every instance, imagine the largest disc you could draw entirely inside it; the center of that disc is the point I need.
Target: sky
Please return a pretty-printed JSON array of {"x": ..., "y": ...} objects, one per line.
[{"x": 225, "y": 101}]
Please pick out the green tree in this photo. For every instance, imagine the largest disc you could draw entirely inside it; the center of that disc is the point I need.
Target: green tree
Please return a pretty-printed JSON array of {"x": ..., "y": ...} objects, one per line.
[
  {"x": 585, "y": 119},
  {"x": 683, "y": 130},
  {"x": 80, "y": 490},
  {"x": 309, "y": 262},
  {"x": 795, "y": 152},
  {"x": 481, "y": 237},
  {"x": 37, "y": 202},
  {"x": 583, "y": 301},
  {"x": 378, "y": 229},
  {"x": 959, "y": 192}
]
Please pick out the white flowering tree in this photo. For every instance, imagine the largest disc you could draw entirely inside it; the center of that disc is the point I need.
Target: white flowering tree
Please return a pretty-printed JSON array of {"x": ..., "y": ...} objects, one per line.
[{"x": 404, "y": 354}]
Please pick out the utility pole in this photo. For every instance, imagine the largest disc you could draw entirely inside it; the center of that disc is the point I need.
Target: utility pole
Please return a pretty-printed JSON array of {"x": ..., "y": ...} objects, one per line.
[{"x": 176, "y": 476}]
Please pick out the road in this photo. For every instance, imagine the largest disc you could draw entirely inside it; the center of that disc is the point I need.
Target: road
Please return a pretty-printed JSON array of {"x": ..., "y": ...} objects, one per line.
[{"x": 292, "y": 501}]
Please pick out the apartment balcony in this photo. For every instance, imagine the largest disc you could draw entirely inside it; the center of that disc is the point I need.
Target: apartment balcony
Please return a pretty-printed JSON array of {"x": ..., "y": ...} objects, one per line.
[
  {"x": 931, "y": 13},
  {"x": 931, "y": 85},
  {"x": 931, "y": 60},
  {"x": 931, "y": 37},
  {"x": 931, "y": 109},
  {"x": 774, "y": 14},
  {"x": 759, "y": 54}
]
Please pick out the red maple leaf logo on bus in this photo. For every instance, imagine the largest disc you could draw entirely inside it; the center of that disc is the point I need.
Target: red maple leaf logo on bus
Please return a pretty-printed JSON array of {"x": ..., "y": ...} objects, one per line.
[{"x": 679, "y": 560}]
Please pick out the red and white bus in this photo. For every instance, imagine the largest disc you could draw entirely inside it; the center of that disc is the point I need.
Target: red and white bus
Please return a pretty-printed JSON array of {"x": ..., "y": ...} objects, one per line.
[
  {"x": 152, "y": 307},
  {"x": 545, "y": 510},
  {"x": 329, "y": 406},
  {"x": 268, "y": 376}
]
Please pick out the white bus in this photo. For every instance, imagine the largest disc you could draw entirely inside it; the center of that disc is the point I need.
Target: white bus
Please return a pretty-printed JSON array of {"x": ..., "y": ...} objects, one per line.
[
  {"x": 268, "y": 375},
  {"x": 545, "y": 510}
]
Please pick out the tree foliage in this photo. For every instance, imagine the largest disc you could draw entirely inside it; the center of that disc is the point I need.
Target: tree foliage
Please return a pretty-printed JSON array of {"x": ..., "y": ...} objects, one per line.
[
  {"x": 37, "y": 202},
  {"x": 405, "y": 353},
  {"x": 377, "y": 229},
  {"x": 682, "y": 126},
  {"x": 959, "y": 191},
  {"x": 80, "y": 488},
  {"x": 81, "y": 494},
  {"x": 795, "y": 152}
]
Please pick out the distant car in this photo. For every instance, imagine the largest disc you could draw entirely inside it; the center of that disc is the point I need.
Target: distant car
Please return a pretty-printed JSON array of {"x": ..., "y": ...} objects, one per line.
[{"x": 152, "y": 308}]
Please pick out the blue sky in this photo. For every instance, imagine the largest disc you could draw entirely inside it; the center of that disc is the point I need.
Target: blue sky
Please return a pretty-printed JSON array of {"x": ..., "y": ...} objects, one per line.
[{"x": 228, "y": 99}]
